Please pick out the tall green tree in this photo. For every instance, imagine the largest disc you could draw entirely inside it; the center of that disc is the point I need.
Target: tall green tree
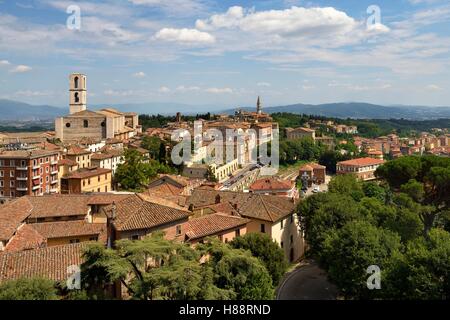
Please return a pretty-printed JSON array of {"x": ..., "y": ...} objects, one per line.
[{"x": 268, "y": 251}]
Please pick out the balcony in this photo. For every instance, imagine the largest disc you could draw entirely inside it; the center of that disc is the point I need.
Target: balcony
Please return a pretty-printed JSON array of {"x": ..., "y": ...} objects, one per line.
[
  {"x": 54, "y": 172},
  {"x": 36, "y": 177},
  {"x": 54, "y": 182},
  {"x": 54, "y": 190},
  {"x": 36, "y": 167},
  {"x": 36, "y": 188},
  {"x": 54, "y": 162},
  {"x": 20, "y": 168},
  {"x": 22, "y": 178},
  {"x": 22, "y": 188}
]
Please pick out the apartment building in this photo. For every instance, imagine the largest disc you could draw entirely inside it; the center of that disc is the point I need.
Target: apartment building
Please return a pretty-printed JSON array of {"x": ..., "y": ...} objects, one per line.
[
  {"x": 87, "y": 180},
  {"x": 363, "y": 168},
  {"x": 24, "y": 172}
]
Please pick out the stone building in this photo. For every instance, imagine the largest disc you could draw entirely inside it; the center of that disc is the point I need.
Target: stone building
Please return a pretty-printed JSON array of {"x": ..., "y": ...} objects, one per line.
[{"x": 82, "y": 123}]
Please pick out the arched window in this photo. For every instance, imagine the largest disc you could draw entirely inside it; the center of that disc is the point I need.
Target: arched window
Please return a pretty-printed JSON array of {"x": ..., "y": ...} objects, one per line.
[
  {"x": 77, "y": 98},
  {"x": 103, "y": 124},
  {"x": 76, "y": 82},
  {"x": 85, "y": 123}
]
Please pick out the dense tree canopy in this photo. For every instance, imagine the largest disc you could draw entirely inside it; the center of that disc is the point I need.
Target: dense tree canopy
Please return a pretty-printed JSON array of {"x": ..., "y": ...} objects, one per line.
[
  {"x": 264, "y": 248},
  {"x": 28, "y": 289},
  {"x": 156, "y": 268},
  {"x": 383, "y": 226}
]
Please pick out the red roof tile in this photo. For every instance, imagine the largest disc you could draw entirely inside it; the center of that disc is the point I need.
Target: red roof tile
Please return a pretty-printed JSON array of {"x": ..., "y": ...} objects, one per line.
[{"x": 213, "y": 224}]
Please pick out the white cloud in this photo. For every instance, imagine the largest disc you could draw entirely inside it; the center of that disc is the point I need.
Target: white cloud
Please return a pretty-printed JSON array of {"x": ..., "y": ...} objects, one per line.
[
  {"x": 4, "y": 63},
  {"x": 184, "y": 36},
  {"x": 263, "y": 84},
  {"x": 433, "y": 87},
  {"x": 21, "y": 69},
  {"x": 164, "y": 89},
  {"x": 219, "y": 90},
  {"x": 289, "y": 22},
  {"x": 174, "y": 7},
  {"x": 139, "y": 74},
  {"x": 187, "y": 89}
]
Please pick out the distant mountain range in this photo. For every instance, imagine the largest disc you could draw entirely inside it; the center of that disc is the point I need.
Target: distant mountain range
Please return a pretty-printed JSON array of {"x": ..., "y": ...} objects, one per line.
[
  {"x": 358, "y": 110},
  {"x": 19, "y": 111}
]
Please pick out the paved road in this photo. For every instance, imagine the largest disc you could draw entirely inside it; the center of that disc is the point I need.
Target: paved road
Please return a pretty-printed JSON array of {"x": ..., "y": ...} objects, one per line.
[{"x": 308, "y": 282}]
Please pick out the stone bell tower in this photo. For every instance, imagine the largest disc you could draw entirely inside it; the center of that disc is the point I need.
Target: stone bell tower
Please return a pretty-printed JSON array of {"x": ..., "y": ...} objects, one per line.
[{"x": 77, "y": 92}]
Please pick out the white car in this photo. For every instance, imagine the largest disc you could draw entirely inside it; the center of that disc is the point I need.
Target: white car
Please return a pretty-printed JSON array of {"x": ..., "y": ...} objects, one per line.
[{"x": 316, "y": 189}]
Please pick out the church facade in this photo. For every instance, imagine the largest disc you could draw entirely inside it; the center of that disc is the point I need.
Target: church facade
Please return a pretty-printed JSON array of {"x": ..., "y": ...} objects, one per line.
[{"x": 82, "y": 123}]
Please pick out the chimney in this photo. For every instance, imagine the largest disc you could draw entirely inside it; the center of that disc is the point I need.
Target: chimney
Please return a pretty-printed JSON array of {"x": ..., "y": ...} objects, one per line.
[{"x": 178, "y": 117}]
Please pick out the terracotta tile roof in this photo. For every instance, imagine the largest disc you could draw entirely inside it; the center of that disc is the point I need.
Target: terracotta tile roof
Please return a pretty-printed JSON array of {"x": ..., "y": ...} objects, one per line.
[
  {"x": 51, "y": 262},
  {"x": 26, "y": 238},
  {"x": 76, "y": 150},
  {"x": 84, "y": 173},
  {"x": 25, "y": 154},
  {"x": 271, "y": 184},
  {"x": 63, "y": 229},
  {"x": 213, "y": 224},
  {"x": 137, "y": 212},
  {"x": 165, "y": 188},
  {"x": 107, "y": 154},
  {"x": 249, "y": 205},
  {"x": 311, "y": 166},
  {"x": 361, "y": 162},
  {"x": 58, "y": 205},
  {"x": 12, "y": 215},
  {"x": 68, "y": 162},
  {"x": 107, "y": 198}
]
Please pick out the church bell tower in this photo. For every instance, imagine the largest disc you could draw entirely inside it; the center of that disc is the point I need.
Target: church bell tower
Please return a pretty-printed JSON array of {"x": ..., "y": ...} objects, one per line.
[
  {"x": 258, "y": 106},
  {"x": 77, "y": 92}
]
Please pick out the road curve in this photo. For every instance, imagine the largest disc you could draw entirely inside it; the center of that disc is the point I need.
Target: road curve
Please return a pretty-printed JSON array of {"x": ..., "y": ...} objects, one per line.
[{"x": 308, "y": 282}]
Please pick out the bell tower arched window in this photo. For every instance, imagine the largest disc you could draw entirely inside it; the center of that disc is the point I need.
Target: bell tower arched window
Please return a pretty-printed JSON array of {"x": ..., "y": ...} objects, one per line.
[
  {"x": 85, "y": 123},
  {"x": 77, "y": 98},
  {"x": 76, "y": 82}
]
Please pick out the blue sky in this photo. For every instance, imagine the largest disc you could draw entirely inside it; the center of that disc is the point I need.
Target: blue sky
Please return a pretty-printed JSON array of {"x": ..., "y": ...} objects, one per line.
[{"x": 225, "y": 53}]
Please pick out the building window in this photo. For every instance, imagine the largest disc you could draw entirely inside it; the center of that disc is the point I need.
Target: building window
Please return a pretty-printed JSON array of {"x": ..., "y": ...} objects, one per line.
[
  {"x": 85, "y": 123},
  {"x": 238, "y": 232},
  {"x": 292, "y": 218},
  {"x": 93, "y": 239},
  {"x": 135, "y": 237},
  {"x": 99, "y": 179},
  {"x": 11, "y": 174},
  {"x": 77, "y": 97},
  {"x": 1, "y": 183},
  {"x": 103, "y": 124},
  {"x": 67, "y": 125},
  {"x": 1, "y": 173},
  {"x": 46, "y": 169},
  {"x": 11, "y": 184},
  {"x": 178, "y": 230},
  {"x": 281, "y": 244},
  {"x": 263, "y": 228},
  {"x": 292, "y": 239},
  {"x": 75, "y": 81},
  {"x": 75, "y": 241},
  {"x": 89, "y": 181},
  {"x": 281, "y": 224}
]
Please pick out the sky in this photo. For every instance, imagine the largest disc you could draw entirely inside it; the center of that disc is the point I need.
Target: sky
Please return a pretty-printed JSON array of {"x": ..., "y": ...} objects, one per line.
[{"x": 225, "y": 53}]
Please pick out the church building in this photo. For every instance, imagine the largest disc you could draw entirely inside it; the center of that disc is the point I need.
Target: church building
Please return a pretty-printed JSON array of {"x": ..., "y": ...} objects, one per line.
[{"x": 99, "y": 125}]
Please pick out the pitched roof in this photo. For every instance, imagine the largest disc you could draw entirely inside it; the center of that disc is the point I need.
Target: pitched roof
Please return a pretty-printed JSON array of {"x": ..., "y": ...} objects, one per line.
[
  {"x": 68, "y": 162},
  {"x": 26, "y": 238},
  {"x": 311, "y": 167},
  {"x": 58, "y": 205},
  {"x": 12, "y": 215},
  {"x": 84, "y": 114},
  {"x": 84, "y": 173},
  {"x": 271, "y": 184},
  {"x": 51, "y": 262},
  {"x": 362, "y": 162},
  {"x": 250, "y": 205},
  {"x": 107, "y": 154},
  {"x": 212, "y": 224},
  {"x": 107, "y": 198},
  {"x": 27, "y": 154},
  {"x": 63, "y": 229},
  {"x": 76, "y": 150},
  {"x": 137, "y": 212}
]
